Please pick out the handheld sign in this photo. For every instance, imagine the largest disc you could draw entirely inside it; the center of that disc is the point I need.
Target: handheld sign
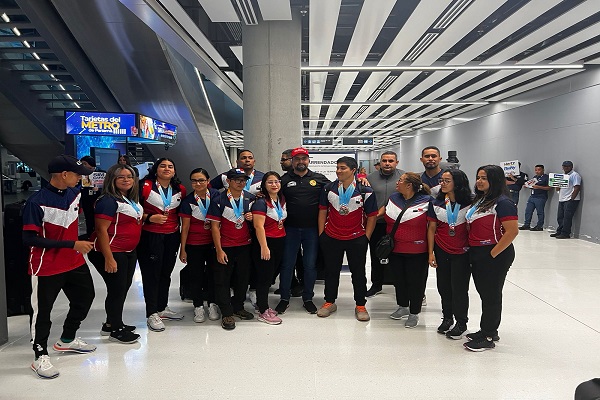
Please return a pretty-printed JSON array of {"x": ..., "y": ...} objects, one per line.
[
  {"x": 510, "y": 167},
  {"x": 558, "y": 180}
]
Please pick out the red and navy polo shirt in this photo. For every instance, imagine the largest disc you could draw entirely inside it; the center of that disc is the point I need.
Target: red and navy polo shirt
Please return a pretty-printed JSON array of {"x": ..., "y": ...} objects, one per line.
[
  {"x": 153, "y": 204},
  {"x": 411, "y": 235},
  {"x": 53, "y": 214},
  {"x": 199, "y": 232},
  {"x": 485, "y": 228},
  {"x": 221, "y": 211},
  {"x": 125, "y": 224},
  {"x": 266, "y": 208},
  {"x": 220, "y": 182},
  {"x": 457, "y": 244},
  {"x": 351, "y": 225}
]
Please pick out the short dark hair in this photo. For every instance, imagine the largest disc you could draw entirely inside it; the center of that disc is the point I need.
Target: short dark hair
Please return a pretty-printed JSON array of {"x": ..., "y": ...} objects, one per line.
[
  {"x": 288, "y": 152},
  {"x": 540, "y": 166},
  {"x": 349, "y": 161},
  {"x": 390, "y": 153},
  {"x": 89, "y": 159},
  {"x": 431, "y": 148},
  {"x": 244, "y": 151},
  {"x": 200, "y": 171}
]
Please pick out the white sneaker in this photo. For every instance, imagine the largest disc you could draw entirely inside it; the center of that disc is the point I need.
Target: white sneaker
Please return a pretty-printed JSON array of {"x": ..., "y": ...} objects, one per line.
[
  {"x": 252, "y": 298},
  {"x": 155, "y": 323},
  {"x": 167, "y": 313},
  {"x": 76, "y": 346},
  {"x": 44, "y": 368},
  {"x": 199, "y": 314},
  {"x": 214, "y": 313}
]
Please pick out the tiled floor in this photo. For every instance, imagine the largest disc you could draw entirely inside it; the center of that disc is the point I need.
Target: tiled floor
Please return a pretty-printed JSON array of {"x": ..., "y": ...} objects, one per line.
[{"x": 550, "y": 342}]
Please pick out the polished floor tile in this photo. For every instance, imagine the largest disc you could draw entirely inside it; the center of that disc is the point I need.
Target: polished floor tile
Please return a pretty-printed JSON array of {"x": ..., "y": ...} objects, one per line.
[{"x": 550, "y": 339}]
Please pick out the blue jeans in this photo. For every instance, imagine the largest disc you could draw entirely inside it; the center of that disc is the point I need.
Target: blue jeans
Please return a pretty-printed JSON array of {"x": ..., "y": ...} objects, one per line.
[
  {"x": 566, "y": 212},
  {"x": 514, "y": 195},
  {"x": 535, "y": 203},
  {"x": 309, "y": 239}
]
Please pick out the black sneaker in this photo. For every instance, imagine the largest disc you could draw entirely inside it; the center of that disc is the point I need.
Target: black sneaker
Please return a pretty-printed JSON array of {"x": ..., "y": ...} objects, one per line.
[
  {"x": 374, "y": 291},
  {"x": 482, "y": 344},
  {"x": 555, "y": 234},
  {"x": 282, "y": 306},
  {"x": 478, "y": 335},
  {"x": 457, "y": 332},
  {"x": 563, "y": 237},
  {"x": 445, "y": 325},
  {"x": 297, "y": 291},
  {"x": 244, "y": 315},
  {"x": 537, "y": 229},
  {"x": 123, "y": 336},
  {"x": 525, "y": 228},
  {"x": 105, "y": 331},
  {"x": 310, "y": 307},
  {"x": 228, "y": 323}
]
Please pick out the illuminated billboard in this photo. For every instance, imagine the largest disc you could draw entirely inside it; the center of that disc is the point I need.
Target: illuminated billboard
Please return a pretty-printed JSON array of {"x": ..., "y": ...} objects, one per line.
[
  {"x": 154, "y": 129},
  {"x": 100, "y": 123}
]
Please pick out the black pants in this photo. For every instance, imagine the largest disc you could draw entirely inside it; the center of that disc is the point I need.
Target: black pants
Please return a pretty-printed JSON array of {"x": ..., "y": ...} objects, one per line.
[
  {"x": 157, "y": 254},
  {"x": 489, "y": 275},
  {"x": 566, "y": 212},
  {"x": 453, "y": 275},
  {"x": 333, "y": 255},
  {"x": 200, "y": 261},
  {"x": 117, "y": 284},
  {"x": 87, "y": 206},
  {"x": 236, "y": 272},
  {"x": 78, "y": 286},
  {"x": 265, "y": 269},
  {"x": 410, "y": 277},
  {"x": 377, "y": 269}
]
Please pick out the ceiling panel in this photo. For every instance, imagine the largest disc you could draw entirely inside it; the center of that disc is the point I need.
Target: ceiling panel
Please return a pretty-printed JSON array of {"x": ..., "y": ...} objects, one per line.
[
  {"x": 219, "y": 11},
  {"x": 275, "y": 9}
]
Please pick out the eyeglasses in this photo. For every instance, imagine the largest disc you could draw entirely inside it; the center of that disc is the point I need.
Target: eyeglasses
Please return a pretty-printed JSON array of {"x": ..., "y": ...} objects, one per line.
[
  {"x": 198, "y": 181},
  {"x": 238, "y": 180},
  {"x": 285, "y": 159},
  {"x": 273, "y": 182},
  {"x": 444, "y": 181},
  {"x": 124, "y": 177}
]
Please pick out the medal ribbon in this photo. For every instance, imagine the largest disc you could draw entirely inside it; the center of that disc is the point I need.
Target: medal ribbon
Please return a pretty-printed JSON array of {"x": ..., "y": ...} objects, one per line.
[
  {"x": 201, "y": 205},
  {"x": 166, "y": 199},
  {"x": 238, "y": 208},
  {"x": 278, "y": 209},
  {"x": 473, "y": 209},
  {"x": 249, "y": 182},
  {"x": 135, "y": 207},
  {"x": 451, "y": 213},
  {"x": 345, "y": 195}
]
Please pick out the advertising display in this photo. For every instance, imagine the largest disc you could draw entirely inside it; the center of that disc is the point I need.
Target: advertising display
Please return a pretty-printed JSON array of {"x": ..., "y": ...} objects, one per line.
[
  {"x": 510, "y": 167},
  {"x": 100, "y": 123},
  {"x": 154, "y": 129},
  {"x": 326, "y": 163},
  {"x": 558, "y": 180}
]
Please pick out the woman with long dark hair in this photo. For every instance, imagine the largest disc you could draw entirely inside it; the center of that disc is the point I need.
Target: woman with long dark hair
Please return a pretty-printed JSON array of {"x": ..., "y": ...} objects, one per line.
[
  {"x": 493, "y": 225},
  {"x": 448, "y": 242},
  {"x": 268, "y": 215},
  {"x": 161, "y": 195},
  {"x": 118, "y": 229}
]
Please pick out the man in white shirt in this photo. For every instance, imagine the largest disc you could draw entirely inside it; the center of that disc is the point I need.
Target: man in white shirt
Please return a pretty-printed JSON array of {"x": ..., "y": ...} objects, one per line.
[{"x": 568, "y": 201}]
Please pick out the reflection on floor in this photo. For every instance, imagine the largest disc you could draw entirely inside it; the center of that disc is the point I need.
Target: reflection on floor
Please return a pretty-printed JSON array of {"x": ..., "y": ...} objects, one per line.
[{"x": 550, "y": 341}]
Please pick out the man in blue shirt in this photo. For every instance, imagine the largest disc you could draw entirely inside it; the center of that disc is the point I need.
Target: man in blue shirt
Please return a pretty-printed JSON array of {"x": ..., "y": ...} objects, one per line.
[{"x": 537, "y": 200}]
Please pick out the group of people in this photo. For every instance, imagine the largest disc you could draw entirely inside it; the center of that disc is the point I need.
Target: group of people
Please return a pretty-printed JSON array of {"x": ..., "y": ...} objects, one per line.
[{"x": 244, "y": 227}]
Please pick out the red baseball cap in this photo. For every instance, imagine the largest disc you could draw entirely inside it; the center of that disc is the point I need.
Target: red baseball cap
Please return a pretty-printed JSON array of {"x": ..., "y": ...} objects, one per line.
[{"x": 299, "y": 151}]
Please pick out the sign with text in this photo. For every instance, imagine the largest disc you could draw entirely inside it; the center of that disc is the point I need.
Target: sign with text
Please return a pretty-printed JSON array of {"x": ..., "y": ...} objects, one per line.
[
  {"x": 510, "y": 167},
  {"x": 155, "y": 129},
  {"x": 558, "y": 180},
  {"x": 529, "y": 184},
  {"x": 326, "y": 163},
  {"x": 317, "y": 141},
  {"x": 357, "y": 141},
  {"x": 100, "y": 123}
]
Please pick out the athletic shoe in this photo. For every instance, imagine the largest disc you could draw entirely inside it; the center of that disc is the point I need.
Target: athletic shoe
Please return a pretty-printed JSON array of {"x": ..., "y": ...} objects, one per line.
[
  {"x": 167, "y": 313},
  {"x": 457, "y": 332},
  {"x": 361, "y": 313},
  {"x": 123, "y": 336},
  {"x": 244, "y": 315},
  {"x": 310, "y": 307},
  {"x": 412, "y": 321},
  {"x": 482, "y": 344},
  {"x": 252, "y": 298},
  {"x": 75, "y": 346},
  {"x": 563, "y": 236},
  {"x": 401, "y": 312},
  {"x": 155, "y": 323},
  {"x": 424, "y": 302},
  {"x": 445, "y": 325},
  {"x": 554, "y": 234},
  {"x": 228, "y": 323},
  {"x": 105, "y": 331},
  {"x": 478, "y": 335},
  {"x": 537, "y": 229},
  {"x": 374, "y": 291},
  {"x": 214, "y": 313},
  {"x": 327, "y": 309},
  {"x": 44, "y": 368},
  {"x": 525, "y": 228},
  {"x": 269, "y": 317},
  {"x": 199, "y": 314},
  {"x": 282, "y": 306}
]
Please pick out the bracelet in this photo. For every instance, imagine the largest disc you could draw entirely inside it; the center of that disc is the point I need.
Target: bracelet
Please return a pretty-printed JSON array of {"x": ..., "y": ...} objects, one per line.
[{"x": 148, "y": 219}]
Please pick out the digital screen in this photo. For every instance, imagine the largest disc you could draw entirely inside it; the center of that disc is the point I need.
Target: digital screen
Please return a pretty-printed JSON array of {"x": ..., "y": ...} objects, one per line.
[
  {"x": 353, "y": 141},
  {"x": 154, "y": 129},
  {"x": 317, "y": 141},
  {"x": 105, "y": 158},
  {"x": 100, "y": 123}
]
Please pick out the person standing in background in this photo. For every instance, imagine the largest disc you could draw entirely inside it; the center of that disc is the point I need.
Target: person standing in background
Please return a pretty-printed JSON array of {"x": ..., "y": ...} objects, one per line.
[
  {"x": 431, "y": 158},
  {"x": 568, "y": 201},
  {"x": 537, "y": 200},
  {"x": 89, "y": 194},
  {"x": 515, "y": 184}
]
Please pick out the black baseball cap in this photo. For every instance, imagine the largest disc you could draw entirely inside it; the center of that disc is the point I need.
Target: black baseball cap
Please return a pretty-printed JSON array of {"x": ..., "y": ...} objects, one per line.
[
  {"x": 67, "y": 163},
  {"x": 234, "y": 173},
  {"x": 567, "y": 163}
]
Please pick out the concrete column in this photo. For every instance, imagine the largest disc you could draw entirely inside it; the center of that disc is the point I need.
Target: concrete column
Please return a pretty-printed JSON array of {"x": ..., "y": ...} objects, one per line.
[{"x": 272, "y": 115}]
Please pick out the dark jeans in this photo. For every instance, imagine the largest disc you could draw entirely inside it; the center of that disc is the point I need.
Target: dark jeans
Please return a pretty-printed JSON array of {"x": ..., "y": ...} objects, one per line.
[
  {"x": 333, "y": 254},
  {"x": 238, "y": 268},
  {"x": 453, "y": 275},
  {"x": 309, "y": 239},
  {"x": 265, "y": 269},
  {"x": 157, "y": 254},
  {"x": 200, "y": 261},
  {"x": 514, "y": 195},
  {"x": 377, "y": 269},
  {"x": 410, "y": 277},
  {"x": 87, "y": 206},
  {"x": 78, "y": 286},
  {"x": 566, "y": 212},
  {"x": 489, "y": 275},
  {"x": 535, "y": 203},
  {"x": 117, "y": 284}
]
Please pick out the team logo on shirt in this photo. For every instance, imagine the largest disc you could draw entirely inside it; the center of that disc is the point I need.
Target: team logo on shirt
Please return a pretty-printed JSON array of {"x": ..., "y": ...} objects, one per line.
[{"x": 312, "y": 182}]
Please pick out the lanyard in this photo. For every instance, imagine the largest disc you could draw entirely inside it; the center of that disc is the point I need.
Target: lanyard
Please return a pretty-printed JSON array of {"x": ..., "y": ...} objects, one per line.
[
  {"x": 345, "y": 195},
  {"x": 451, "y": 213},
  {"x": 166, "y": 199},
  {"x": 203, "y": 207},
  {"x": 278, "y": 209},
  {"x": 238, "y": 208},
  {"x": 135, "y": 206},
  {"x": 249, "y": 182},
  {"x": 473, "y": 209}
]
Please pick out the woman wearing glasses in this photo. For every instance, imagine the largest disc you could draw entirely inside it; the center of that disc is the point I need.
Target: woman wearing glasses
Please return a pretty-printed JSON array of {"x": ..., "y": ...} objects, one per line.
[
  {"x": 268, "y": 215},
  {"x": 118, "y": 218},
  {"x": 197, "y": 249},
  {"x": 493, "y": 226},
  {"x": 448, "y": 241}
]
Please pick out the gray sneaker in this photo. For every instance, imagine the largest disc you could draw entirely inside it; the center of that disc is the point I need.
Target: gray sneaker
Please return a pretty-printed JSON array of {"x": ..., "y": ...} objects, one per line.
[
  {"x": 214, "y": 313},
  {"x": 167, "y": 313},
  {"x": 199, "y": 314},
  {"x": 412, "y": 321},
  {"x": 44, "y": 368},
  {"x": 155, "y": 323},
  {"x": 326, "y": 310},
  {"x": 401, "y": 312},
  {"x": 75, "y": 346}
]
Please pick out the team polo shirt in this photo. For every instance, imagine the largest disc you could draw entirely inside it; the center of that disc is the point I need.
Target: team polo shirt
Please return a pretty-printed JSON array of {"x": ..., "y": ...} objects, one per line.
[
  {"x": 457, "y": 244},
  {"x": 220, "y": 182},
  {"x": 125, "y": 224},
  {"x": 485, "y": 228},
  {"x": 302, "y": 195},
  {"x": 542, "y": 180},
  {"x": 199, "y": 232},
  {"x": 265, "y": 207},
  {"x": 433, "y": 182},
  {"x": 411, "y": 235},
  {"x": 153, "y": 204},
  {"x": 53, "y": 214},
  {"x": 221, "y": 211},
  {"x": 351, "y": 225}
]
